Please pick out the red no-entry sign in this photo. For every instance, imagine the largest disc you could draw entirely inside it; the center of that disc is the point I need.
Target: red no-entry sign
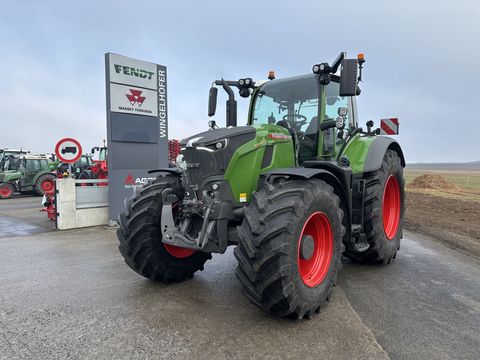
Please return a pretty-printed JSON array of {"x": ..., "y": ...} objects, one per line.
[{"x": 68, "y": 150}]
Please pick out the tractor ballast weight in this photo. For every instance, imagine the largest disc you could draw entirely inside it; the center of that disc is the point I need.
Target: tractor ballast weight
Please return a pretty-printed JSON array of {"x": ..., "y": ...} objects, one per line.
[{"x": 301, "y": 184}]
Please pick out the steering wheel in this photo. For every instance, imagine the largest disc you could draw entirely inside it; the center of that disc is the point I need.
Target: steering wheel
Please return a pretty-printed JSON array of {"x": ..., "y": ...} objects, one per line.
[{"x": 297, "y": 124}]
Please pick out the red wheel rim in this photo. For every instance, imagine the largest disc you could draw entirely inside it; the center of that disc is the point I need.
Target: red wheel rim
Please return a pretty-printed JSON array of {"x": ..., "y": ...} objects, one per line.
[
  {"x": 391, "y": 208},
  {"x": 5, "y": 191},
  {"x": 178, "y": 252},
  {"x": 314, "y": 269},
  {"x": 47, "y": 185}
]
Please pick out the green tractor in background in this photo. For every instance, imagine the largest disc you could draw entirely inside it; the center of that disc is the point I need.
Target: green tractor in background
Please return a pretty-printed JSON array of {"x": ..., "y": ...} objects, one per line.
[
  {"x": 296, "y": 188},
  {"x": 25, "y": 174}
]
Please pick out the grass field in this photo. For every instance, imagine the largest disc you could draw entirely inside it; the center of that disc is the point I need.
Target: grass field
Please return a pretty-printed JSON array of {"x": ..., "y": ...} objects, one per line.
[{"x": 463, "y": 179}]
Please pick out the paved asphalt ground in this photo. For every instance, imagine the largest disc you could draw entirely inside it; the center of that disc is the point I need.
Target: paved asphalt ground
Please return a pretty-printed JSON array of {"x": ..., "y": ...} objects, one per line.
[{"x": 69, "y": 295}]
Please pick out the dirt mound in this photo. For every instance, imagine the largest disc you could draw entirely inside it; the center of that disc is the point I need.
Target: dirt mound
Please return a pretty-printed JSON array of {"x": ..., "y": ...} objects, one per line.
[{"x": 430, "y": 181}]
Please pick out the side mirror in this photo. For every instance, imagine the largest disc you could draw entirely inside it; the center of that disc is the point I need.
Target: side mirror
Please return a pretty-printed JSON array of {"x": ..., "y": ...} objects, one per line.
[
  {"x": 212, "y": 101},
  {"x": 349, "y": 77}
]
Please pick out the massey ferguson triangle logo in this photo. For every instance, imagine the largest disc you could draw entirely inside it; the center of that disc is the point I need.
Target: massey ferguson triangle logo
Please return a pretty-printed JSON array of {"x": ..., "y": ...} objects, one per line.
[{"x": 135, "y": 97}]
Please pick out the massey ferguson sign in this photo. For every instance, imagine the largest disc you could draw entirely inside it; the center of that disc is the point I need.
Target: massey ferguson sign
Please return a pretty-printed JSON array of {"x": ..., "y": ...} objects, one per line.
[
  {"x": 133, "y": 100},
  {"x": 137, "y": 125}
]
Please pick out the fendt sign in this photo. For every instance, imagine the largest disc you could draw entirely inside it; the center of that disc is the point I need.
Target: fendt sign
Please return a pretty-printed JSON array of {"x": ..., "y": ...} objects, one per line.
[{"x": 137, "y": 130}]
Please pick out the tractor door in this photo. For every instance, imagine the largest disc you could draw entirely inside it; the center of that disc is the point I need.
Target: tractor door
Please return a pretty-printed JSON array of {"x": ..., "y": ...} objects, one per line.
[
  {"x": 333, "y": 139},
  {"x": 32, "y": 167}
]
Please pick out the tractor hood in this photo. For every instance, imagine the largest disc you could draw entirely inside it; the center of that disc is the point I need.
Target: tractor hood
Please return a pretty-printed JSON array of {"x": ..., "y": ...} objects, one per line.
[
  {"x": 9, "y": 175},
  {"x": 209, "y": 153},
  {"x": 211, "y": 137}
]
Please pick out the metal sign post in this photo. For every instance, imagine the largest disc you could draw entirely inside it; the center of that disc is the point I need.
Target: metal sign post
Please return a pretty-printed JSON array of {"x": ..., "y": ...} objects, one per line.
[{"x": 137, "y": 133}]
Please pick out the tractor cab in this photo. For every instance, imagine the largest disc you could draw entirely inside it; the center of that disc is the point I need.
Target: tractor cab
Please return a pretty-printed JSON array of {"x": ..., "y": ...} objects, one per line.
[
  {"x": 300, "y": 104},
  {"x": 8, "y": 154}
]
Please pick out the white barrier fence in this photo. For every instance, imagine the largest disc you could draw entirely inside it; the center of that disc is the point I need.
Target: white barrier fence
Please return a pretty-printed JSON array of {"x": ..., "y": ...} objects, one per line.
[{"x": 81, "y": 203}]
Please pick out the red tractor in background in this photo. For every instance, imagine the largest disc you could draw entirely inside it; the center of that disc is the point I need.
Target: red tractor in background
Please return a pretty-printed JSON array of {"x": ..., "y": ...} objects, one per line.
[{"x": 100, "y": 167}]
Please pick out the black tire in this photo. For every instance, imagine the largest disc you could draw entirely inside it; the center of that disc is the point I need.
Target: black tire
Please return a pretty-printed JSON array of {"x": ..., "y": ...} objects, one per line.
[
  {"x": 6, "y": 190},
  {"x": 268, "y": 251},
  {"x": 379, "y": 248},
  {"x": 141, "y": 238},
  {"x": 40, "y": 186}
]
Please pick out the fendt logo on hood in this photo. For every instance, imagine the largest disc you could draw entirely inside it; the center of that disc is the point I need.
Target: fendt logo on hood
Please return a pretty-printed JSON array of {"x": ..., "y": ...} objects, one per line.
[
  {"x": 135, "y": 97},
  {"x": 130, "y": 181}
]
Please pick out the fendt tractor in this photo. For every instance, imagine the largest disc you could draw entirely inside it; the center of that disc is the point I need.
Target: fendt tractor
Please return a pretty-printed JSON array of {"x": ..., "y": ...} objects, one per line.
[
  {"x": 26, "y": 174},
  {"x": 296, "y": 188}
]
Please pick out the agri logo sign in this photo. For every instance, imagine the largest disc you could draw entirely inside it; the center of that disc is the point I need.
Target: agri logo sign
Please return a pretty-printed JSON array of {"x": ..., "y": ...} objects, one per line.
[
  {"x": 131, "y": 181},
  {"x": 135, "y": 97}
]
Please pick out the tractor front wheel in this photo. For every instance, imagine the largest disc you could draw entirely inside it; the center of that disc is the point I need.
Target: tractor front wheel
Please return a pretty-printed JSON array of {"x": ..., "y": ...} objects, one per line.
[
  {"x": 6, "y": 190},
  {"x": 140, "y": 237},
  {"x": 290, "y": 246}
]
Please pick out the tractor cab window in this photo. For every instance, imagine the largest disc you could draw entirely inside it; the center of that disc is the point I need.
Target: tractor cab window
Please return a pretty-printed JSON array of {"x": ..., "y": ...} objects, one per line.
[
  {"x": 334, "y": 102},
  {"x": 83, "y": 163},
  {"x": 293, "y": 104},
  {"x": 290, "y": 102},
  {"x": 32, "y": 165},
  {"x": 103, "y": 154},
  {"x": 44, "y": 164},
  {"x": 334, "y": 138},
  {"x": 10, "y": 163}
]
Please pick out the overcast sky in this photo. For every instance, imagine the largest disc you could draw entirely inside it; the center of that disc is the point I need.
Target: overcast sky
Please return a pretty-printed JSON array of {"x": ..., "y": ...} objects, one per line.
[{"x": 422, "y": 62}]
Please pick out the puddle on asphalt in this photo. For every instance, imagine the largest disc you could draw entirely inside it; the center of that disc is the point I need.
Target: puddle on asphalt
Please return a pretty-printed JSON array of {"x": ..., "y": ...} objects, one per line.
[{"x": 10, "y": 226}]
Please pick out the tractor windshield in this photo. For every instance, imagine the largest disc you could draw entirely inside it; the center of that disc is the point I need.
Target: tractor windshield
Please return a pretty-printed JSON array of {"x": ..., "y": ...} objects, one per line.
[
  {"x": 10, "y": 163},
  {"x": 294, "y": 100},
  {"x": 102, "y": 155}
]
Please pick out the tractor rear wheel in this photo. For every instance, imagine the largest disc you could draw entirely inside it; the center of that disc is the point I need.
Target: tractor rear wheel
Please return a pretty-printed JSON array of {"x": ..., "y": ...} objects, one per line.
[
  {"x": 383, "y": 213},
  {"x": 45, "y": 184},
  {"x": 6, "y": 190},
  {"x": 290, "y": 246},
  {"x": 140, "y": 237}
]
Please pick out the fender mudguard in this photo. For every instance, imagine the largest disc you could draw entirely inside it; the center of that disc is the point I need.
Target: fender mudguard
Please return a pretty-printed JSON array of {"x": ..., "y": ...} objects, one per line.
[
  {"x": 338, "y": 177},
  {"x": 377, "y": 151}
]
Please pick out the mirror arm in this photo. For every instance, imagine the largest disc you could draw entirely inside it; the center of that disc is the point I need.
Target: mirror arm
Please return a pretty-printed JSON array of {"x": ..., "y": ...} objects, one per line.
[{"x": 338, "y": 61}]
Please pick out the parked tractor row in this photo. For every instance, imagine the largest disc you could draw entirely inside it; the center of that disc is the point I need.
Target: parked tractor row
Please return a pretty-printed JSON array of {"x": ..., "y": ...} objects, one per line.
[{"x": 26, "y": 173}]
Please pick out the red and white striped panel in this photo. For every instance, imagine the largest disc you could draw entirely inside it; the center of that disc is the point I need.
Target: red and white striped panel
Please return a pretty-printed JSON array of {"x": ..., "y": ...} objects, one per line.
[{"x": 389, "y": 126}]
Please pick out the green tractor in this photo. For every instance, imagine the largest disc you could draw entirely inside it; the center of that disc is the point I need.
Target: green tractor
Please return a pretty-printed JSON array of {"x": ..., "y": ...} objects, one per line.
[
  {"x": 25, "y": 174},
  {"x": 296, "y": 188}
]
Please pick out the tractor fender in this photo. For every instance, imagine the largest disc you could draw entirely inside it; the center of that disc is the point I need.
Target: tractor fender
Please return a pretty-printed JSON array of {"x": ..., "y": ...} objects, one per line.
[
  {"x": 377, "y": 150},
  {"x": 338, "y": 177},
  {"x": 35, "y": 178}
]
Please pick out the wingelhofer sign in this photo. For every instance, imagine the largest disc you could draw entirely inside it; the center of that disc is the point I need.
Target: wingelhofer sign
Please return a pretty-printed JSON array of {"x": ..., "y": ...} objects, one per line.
[{"x": 137, "y": 122}]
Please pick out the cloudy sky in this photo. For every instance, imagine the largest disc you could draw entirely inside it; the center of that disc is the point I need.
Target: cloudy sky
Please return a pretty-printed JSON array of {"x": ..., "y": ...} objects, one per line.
[{"x": 422, "y": 62}]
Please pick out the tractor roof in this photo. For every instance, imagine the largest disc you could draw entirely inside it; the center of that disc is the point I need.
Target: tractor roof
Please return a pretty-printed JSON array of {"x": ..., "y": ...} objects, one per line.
[{"x": 35, "y": 157}]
